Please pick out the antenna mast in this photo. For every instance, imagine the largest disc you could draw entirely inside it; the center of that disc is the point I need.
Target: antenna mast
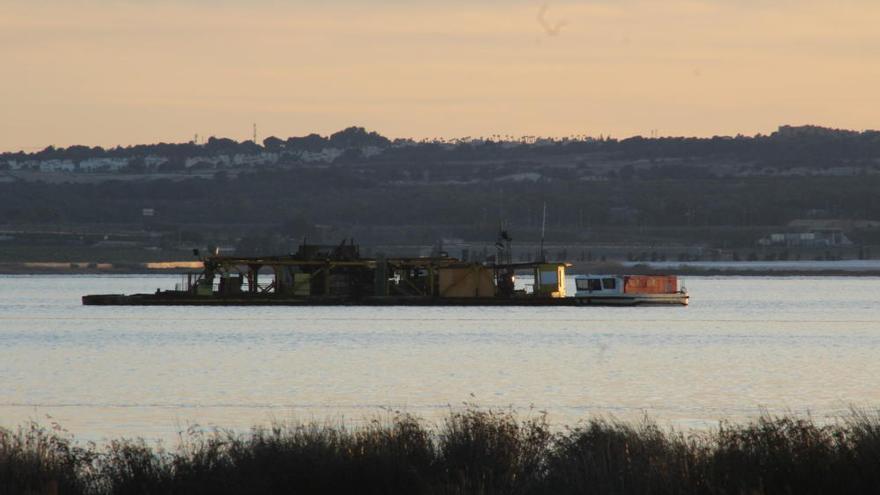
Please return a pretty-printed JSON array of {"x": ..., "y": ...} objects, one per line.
[
  {"x": 543, "y": 227},
  {"x": 255, "y": 133}
]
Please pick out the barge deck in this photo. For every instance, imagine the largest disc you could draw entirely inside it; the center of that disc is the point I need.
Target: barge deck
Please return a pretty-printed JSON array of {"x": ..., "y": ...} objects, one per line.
[{"x": 186, "y": 299}]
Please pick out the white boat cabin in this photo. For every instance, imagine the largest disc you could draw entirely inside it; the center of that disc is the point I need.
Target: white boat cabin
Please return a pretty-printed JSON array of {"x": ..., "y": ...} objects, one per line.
[{"x": 598, "y": 285}]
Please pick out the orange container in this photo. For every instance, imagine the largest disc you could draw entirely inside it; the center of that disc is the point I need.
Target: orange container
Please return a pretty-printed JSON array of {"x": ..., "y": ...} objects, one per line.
[{"x": 650, "y": 284}]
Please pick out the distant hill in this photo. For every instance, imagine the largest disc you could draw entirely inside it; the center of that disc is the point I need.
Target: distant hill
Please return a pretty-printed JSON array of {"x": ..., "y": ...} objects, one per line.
[{"x": 719, "y": 191}]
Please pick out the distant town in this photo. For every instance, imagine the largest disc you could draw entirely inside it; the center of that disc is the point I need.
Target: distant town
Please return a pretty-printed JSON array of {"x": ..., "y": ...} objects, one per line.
[{"x": 800, "y": 193}]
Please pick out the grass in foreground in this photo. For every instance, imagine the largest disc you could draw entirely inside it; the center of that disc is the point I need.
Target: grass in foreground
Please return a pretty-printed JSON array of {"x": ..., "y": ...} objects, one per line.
[{"x": 472, "y": 451}]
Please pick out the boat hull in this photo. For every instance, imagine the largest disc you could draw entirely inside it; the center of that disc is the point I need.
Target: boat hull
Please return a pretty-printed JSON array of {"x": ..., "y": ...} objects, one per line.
[
  {"x": 677, "y": 299},
  {"x": 186, "y": 299}
]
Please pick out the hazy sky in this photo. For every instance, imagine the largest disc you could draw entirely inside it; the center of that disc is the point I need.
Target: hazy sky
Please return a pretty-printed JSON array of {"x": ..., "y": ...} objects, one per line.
[{"x": 104, "y": 72}]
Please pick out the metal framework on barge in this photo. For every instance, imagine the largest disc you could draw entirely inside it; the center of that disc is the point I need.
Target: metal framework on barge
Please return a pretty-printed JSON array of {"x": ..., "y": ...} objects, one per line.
[{"x": 340, "y": 272}]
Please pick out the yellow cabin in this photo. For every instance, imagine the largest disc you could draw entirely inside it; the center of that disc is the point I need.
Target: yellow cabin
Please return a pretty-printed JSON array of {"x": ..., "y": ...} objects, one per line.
[{"x": 550, "y": 279}]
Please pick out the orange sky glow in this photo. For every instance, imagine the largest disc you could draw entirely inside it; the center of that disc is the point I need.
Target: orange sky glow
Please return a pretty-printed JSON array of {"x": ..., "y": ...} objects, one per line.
[{"x": 103, "y": 72}]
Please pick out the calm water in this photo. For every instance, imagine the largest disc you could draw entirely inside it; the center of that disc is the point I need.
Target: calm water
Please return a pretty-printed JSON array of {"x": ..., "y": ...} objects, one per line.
[{"x": 797, "y": 344}]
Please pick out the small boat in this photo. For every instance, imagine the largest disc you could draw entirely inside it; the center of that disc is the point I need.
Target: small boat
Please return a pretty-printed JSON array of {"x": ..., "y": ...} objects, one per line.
[{"x": 629, "y": 290}]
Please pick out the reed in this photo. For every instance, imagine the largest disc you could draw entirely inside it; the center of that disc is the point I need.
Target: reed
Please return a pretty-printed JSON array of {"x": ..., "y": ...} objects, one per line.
[
  {"x": 471, "y": 451},
  {"x": 37, "y": 459}
]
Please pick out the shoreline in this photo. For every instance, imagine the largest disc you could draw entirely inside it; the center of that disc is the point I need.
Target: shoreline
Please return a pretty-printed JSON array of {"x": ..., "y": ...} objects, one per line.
[
  {"x": 576, "y": 268},
  {"x": 93, "y": 268}
]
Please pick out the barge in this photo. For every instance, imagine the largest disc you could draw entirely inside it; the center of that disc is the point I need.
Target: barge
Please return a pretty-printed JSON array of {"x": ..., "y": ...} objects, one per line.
[{"x": 339, "y": 276}]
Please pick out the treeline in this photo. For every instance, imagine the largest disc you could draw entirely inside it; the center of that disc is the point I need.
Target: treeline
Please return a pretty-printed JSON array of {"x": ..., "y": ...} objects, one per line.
[
  {"x": 352, "y": 137},
  {"x": 471, "y": 452},
  {"x": 339, "y": 197},
  {"x": 806, "y": 146}
]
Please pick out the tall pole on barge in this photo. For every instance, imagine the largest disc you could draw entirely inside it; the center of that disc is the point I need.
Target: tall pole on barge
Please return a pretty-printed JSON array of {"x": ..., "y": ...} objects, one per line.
[{"x": 543, "y": 228}]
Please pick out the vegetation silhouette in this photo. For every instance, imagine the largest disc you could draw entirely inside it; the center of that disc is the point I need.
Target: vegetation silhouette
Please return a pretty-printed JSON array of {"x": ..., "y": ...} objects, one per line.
[{"x": 472, "y": 451}]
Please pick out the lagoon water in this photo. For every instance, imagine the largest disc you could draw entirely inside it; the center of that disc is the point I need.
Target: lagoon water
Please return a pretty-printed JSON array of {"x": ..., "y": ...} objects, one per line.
[{"x": 803, "y": 345}]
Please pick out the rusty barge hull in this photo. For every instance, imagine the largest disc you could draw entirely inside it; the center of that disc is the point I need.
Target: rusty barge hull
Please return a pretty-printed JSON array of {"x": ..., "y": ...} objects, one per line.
[{"x": 185, "y": 299}]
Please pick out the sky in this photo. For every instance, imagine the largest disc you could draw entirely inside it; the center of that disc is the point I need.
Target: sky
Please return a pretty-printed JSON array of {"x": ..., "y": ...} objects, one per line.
[{"x": 105, "y": 72}]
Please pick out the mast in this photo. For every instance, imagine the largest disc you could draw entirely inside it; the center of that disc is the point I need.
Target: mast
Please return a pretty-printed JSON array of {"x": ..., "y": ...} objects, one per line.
[{"x": 543, "y": 228}]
